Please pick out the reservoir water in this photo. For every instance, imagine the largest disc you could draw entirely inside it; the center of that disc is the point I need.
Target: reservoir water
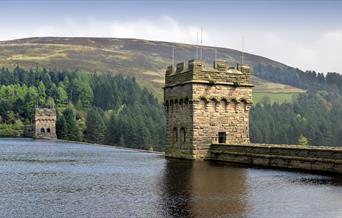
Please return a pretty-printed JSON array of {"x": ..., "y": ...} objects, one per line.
[{"x": 58, "y": 179}]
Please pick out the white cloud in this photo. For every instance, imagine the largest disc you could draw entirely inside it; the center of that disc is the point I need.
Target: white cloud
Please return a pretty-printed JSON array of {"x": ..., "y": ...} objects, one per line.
[
  {"x": 297, "y": 49},
  {"x": 163, "y": 29}
]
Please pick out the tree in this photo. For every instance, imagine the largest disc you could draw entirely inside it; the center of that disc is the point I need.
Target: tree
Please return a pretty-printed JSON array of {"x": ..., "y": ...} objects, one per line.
[
  {"x": 62, "y": 96},
  {"x": 95, "y": 127},
  {"x": 302, "y": 140},
  {"x": 72, "y": 130},
  {"x": 41, "y": 93},
  {"x": 61, "y": 127},
  {"x": 50, "y": 102}
]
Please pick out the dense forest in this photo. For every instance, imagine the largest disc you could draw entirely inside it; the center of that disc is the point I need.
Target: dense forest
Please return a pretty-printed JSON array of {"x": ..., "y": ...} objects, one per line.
[
  {"x": 315, "y": 117},
  {"x": 309, "y": 80},
  {"x": 95, "y": 108},
  {"x": 115, "y": 110}
]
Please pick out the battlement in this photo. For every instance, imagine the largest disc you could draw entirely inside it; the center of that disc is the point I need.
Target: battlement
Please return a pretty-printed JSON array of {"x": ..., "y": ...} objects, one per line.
[
  {"x": 45, "y": 112},
  {"x": 197, "y": 71}
]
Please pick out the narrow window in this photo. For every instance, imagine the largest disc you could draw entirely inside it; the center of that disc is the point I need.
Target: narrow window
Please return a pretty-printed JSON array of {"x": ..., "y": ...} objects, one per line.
[
  {"x": 48, "y": 130},
  {"x": 224, "y": 104},
  {"x": 175, "y": 135},
  {"x": 186, "y": 101},
  {"x": 216, "y": 106},
  {"x": 183, "y": 135},
  {"x": 222, "y": 137},
  {"x": 204, "y": 104},
  {"x": 42, "y": 130},
  {"x": 167, "y": 106},
  {"x": 236, "y": 105}
]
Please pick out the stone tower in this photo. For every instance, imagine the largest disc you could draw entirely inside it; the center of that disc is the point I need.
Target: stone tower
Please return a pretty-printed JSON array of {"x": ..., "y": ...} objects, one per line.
[
  {"x": 45, "y": 123},
  {"x": 204, "y": 106}
]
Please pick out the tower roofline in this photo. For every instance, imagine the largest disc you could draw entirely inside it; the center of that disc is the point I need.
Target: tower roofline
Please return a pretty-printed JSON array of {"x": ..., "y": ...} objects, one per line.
[{"x": 197, "y": 70}]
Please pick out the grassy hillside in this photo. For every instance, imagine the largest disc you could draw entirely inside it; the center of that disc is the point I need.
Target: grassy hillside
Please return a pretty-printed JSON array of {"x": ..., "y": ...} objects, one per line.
[
  {"x": 145, "y": 60},
  {"x": 273, "y": 92}
]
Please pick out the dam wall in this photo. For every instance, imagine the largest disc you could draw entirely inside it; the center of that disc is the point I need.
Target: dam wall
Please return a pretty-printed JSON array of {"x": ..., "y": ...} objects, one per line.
[{"x": 314, "y": 158}]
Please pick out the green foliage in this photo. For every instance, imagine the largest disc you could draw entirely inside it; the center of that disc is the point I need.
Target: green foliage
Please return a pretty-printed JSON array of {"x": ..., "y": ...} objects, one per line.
[
  {"x": 309, "y": 80},
  {"x": 62, "y": 96},
  {"x": 12, "y": 130},
  {"x": 71, "y": 130},
  {"x": 117, "y": 111},
  {"x": 103, "y": 108},
  {"x": 317, "y": 115},
  {"x": 274, "y": 97},
  {"x": 302, "y": 140},
  {"x": 95, "y": 126},
  {"x": 61, "y": 127}
]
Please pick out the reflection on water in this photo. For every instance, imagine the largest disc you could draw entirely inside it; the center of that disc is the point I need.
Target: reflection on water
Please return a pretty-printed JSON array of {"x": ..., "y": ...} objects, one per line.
[
  {"x": 203, "y": 189},
  {"x": 55, "y": 179}
]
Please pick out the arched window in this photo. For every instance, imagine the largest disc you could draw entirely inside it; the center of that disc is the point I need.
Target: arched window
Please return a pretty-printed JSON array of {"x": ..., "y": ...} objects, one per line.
[
  {"x": 224, "y": 104},
  {"x": 48, "y": 130},
  {"x": 171, "y": 105},
  {"x": 245, "y": 105},
  {"x": 186, "y": 101},
  {"x": 175, "y": 135},
  {"x": 42, "y": 130},
  {"x": 167, "y": 106},
  {"x": 235, "y": 105},
  {"x": 215, "y": 104},
  {"x": 181, "y": 102},
  {"x": 182, "y": 135},
  {"x": 204, "y": 104}
]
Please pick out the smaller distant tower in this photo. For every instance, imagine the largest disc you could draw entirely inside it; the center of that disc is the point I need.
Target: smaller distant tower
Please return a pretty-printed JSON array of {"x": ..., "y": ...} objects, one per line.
[{"x": 45, "y": 123}]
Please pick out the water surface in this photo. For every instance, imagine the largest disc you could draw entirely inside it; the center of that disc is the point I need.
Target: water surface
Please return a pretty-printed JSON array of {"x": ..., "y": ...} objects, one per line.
[{"x": 58, "y": 179}]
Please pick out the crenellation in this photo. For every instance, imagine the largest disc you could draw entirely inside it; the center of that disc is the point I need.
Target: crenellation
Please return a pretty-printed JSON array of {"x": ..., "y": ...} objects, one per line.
[
  {"x": 170, "y": 70},
  {"x": 220, "y": 66},
  {"x": 197, "y": 71},
  {"x": 180, "y": 67}
]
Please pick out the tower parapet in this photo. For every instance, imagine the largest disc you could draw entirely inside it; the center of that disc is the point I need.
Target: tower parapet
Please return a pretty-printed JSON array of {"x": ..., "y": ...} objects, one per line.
[
  {"x": 197, "y": 71},
  {"x": 205, "y": 105}
]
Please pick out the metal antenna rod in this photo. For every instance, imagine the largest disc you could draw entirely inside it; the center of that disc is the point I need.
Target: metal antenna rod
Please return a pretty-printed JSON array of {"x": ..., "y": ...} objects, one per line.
[
  {"x": 173, "y": 54},
  {"x": 201, "y": 51},
  {"x": 242, "y": 50},
  {"x": 197, "y": 47}
]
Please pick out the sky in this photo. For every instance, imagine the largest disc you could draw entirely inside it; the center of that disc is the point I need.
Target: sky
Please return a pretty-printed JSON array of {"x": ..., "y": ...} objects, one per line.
[{"x": 305, "y": 33}]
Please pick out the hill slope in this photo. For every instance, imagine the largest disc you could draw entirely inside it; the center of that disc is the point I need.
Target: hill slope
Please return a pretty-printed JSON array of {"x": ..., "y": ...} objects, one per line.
[{"x": 144, "y": 59}]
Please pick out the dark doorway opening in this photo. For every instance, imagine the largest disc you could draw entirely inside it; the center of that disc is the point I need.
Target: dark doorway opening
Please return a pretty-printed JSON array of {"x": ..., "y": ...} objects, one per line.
[{"x": 222, "y": 137}]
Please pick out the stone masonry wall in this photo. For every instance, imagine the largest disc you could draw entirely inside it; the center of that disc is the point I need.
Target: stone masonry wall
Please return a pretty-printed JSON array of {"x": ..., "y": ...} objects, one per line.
[
  {"x": 179, "y": 118},
  {"x": 221, "y": 109},
  {"x": 202, "y": 102},
  {"x": 45, "y": 123},
  {"x": 323, "y": 158}
]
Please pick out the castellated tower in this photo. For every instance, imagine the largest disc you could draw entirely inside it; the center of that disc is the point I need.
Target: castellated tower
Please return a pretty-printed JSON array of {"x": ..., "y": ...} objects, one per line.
[
  {"x": 45, "y": 123},
  {"x": 204, "y": 106}
]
